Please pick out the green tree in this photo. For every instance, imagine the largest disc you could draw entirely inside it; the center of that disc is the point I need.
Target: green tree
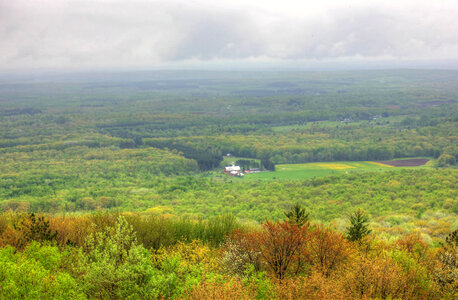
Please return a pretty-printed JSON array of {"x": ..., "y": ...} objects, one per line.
[
  {"x": 36, "y": 273},
  {"x": 297, "y": 215},
  {"x": 116, "y": 266},
  {"x": 445, "y": 159},
  {"x": 359, "y": 226}
]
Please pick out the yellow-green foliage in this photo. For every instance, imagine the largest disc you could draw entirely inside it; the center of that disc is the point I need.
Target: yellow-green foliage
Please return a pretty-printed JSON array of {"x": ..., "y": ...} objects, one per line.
[
  {"x": 192, "y": 254},
  {"x": 112, "y": 263}
]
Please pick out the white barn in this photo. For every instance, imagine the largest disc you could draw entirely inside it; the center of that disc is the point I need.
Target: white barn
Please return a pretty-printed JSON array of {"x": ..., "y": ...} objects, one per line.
[{"x": 232, "y": 168}]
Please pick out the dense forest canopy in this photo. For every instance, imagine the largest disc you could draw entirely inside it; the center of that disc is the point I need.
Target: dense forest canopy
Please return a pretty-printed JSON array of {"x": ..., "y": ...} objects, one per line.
[
  {"x": 68, "y": 141},
  {"x": 123, "y": 172}
]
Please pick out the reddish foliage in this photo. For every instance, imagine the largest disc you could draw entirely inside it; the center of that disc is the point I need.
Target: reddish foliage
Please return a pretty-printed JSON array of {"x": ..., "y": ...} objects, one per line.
[
  {"x": 281, "y": 244},
  {"x": 241, "y": 249},
  {"x": 413, "y": 244},
  {"x": 382, "y": 277},
  {"x": 328, "y": 250}
]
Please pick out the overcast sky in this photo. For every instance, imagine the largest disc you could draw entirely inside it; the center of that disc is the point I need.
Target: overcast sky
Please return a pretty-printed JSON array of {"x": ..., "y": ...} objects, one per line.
[{"x": 92, "y": 34}]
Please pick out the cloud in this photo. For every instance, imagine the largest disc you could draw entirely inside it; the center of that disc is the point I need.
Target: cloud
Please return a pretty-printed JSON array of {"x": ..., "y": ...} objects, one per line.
[
  {"x": 92, "y": 34},
  {"x": 214, "y": 33}
]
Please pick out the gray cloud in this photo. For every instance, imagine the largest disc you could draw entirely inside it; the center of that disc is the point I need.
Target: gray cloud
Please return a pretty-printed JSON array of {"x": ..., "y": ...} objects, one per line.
[
  {"x": 91, "y": 34},
  {"x": 209, "y": 34}
]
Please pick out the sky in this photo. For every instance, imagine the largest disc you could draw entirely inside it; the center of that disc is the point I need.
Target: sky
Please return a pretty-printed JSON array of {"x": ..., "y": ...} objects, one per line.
[{"x": 140, "y": 34}]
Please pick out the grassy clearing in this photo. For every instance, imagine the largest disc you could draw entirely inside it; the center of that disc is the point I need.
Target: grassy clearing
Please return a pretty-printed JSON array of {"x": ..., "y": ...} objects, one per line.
[{"x": 320, "y": 169}]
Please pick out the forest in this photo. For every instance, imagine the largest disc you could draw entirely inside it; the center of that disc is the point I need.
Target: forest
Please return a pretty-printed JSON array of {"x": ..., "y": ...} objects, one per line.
[{"x": 112, "y": 185}]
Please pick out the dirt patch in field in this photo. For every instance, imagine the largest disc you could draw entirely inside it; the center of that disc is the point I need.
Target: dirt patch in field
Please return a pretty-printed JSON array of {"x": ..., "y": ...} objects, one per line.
[{"x": 414, "y": 162}]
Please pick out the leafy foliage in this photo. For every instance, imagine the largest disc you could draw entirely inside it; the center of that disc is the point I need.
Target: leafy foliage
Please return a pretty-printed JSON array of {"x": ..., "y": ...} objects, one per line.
[
  {"x": 277, "y": 260},
  {"x": 151, "y": 146},
  {"x": 115, "y": 266},
  {"x": 36, "y": 273},
  {"x": 32, "y": 228},
  {"x": 447, "y": 270}
]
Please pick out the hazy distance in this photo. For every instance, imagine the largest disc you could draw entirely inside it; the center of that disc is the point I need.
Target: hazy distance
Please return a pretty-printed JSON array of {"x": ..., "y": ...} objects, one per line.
[{"x": 204, "y": 34}]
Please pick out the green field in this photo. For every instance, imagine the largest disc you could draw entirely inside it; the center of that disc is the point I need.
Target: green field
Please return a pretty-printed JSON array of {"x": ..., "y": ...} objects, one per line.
[{"x": 320, "y": 169}]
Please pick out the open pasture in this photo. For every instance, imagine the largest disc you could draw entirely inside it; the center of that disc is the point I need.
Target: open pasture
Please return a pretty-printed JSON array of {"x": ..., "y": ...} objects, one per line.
[{"x": 320, "y": 169}]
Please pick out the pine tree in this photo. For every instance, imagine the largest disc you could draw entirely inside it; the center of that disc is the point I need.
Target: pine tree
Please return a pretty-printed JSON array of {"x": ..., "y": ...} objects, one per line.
[
  {"x": 359, "y": 227},
  {"x": 297, "y": 215}
]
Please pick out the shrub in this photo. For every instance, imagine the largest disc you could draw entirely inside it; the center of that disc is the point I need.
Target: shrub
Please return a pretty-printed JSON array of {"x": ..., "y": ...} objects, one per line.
[
  {"x": 446, "y": 273},
  {"x": 115, "y": 266},
  {"x": 278, "y": 244},
  {"x": 35, "y": 274},
  {"x": 328, "y": 250}
]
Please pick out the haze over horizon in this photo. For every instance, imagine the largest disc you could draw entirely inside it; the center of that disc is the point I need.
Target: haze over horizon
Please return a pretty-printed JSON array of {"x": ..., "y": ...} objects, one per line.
[{"x": 138, "y": 35}]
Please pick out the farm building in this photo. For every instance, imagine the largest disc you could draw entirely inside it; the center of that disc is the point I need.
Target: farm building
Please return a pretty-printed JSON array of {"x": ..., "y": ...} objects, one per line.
[
  {"x": 232, "y": 168},
  {"x": 236, "y": 173}
]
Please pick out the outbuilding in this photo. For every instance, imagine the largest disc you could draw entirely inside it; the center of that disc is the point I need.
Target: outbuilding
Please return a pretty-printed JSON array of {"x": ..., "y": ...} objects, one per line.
[{"x": 232, "y": 168}]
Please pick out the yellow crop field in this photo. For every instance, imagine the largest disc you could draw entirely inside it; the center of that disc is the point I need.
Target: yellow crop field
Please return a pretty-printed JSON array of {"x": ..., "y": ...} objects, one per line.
[
  {"x": 317, "y": 169},
  {"x": 379, "y": 164},
  {"x": 333, "y": 166}
]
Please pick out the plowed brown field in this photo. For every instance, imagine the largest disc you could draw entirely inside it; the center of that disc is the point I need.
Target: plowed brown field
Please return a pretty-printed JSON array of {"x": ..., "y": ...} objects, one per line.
[{"x": 414, "y": 162}]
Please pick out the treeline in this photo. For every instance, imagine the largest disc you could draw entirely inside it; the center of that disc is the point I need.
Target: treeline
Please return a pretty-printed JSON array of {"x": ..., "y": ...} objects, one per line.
[
  {"x": 207, "y": 156},
  {"x": 130, "y": 256},
  {"x": 60, "y": 173},
  {"x": 369, "y": 121},
  {"x": 398, "y": 200},
  {"x": 37, "y": 143},
  {"x": 319, "y": 144},
  {"x": 178, "y": 125}
]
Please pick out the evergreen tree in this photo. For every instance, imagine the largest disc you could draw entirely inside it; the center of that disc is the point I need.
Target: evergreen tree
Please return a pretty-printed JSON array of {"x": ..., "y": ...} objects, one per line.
[
  {"x": 359, "y": 226},
  {"x": 297, "y": 215}
]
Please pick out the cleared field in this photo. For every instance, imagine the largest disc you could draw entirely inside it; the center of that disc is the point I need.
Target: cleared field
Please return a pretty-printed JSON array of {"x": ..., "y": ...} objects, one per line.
[
  {"x": 406, "y": 162},
  {"x": 319, "y": 169}
]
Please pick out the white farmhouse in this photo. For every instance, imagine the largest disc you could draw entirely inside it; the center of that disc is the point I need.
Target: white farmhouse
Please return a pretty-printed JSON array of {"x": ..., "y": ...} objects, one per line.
[{"x": 232, "y": 168}]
